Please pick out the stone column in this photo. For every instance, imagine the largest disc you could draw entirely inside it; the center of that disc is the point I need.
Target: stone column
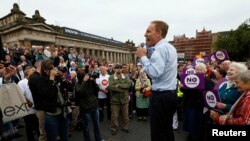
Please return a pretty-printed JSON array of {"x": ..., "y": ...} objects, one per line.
[
  {"x": 87, "y": 51},
  {"x": 99, "y": 54},
  {"x": 107, "y": 55},
  {"x": 115, "y": 58},
  {"x": 103, "y": 55},
  {"x": 96, "y": 54},
  {"x": 111, "y": 57},
  {"x": 93, "y": 53},
  {"x": 118, "y": 57},
  {"x": 124, "y": 58}
]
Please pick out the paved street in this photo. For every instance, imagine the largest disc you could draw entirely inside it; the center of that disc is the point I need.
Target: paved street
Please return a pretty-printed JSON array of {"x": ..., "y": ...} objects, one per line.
[{"x": 139, "y": 131}]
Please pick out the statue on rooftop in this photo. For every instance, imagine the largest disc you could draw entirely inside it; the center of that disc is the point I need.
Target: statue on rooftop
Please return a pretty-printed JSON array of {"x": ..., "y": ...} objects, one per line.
[
  {"x": 16, "y": 9},
  {"x": 37, "y": 17}
]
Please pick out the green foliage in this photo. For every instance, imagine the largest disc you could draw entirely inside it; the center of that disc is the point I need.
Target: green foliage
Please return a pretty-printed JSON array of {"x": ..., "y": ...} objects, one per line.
[{"x": 236, "y": 42}]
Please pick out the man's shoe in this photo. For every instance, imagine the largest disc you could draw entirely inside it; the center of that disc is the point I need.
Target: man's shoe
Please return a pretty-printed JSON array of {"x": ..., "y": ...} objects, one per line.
[{"x": 125, "y": 130}]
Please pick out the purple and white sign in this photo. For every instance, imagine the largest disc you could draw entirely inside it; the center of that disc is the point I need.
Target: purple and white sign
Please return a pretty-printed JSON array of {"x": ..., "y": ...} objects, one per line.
[
  {"x": 211, "y": 98},
  {"x": 193, "y": 81},
  {"x": 221, "y": 55},
  {"x": 212, "y": 57},
  {"x": 197, "y": 60},
  {"x": 189, "y": 71}
]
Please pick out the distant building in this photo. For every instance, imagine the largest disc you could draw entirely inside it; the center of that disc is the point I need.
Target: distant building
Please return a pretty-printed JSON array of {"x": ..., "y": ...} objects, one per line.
[
  {"x": 189, "y": 47},
  {"x": 15, "y": 27}
]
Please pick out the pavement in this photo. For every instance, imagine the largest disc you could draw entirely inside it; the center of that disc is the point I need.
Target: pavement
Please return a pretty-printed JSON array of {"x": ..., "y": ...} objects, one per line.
[{"x": 138, "y": 131}]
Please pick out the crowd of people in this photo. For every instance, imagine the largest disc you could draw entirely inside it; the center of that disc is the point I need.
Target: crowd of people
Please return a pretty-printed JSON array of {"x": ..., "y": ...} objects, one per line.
[
  {"x": 64, "y": 92},
  {"x": 64, "y": 87}
]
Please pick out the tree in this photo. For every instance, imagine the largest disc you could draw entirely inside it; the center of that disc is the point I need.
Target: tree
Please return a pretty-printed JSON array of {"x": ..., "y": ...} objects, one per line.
[{"x": 236, "y": 42}]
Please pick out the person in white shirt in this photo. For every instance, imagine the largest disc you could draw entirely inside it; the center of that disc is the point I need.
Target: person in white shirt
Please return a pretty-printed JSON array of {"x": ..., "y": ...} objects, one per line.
[
  {"x": 20, "y": 73},
  {"x": 31, "y": 120},
  {"x": 103, "y": 82}
]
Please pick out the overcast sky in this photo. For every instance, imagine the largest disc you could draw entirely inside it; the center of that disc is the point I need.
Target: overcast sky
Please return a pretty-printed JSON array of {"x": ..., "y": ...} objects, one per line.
[{"x": 128, "y": 19}]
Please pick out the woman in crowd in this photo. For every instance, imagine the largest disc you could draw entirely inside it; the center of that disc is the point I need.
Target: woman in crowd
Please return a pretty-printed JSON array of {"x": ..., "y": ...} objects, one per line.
[
  {"x": 55, "y": 102},
  {"x": 220, "y": 75},
  {"x": 62, "y": 62},
  {"x": 228, "y": 92},
  {"x": 239, "y": 114},
  {"x": 142, "y": 103}
]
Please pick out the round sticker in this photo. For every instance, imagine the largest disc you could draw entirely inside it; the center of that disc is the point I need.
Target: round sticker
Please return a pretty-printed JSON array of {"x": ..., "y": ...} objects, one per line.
[
  {"x": 104, "y": 82},
  {"x": 211, "y": 99},
  {"x": 190, "y": 71},
  {"x": 199, "y": 60},
  {"x": 220, "y": 55},
  {"x": 192, "y": 81}
]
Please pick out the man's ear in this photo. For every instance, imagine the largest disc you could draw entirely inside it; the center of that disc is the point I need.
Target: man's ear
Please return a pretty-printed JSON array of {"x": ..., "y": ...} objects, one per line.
[{"x": 159, "y": 33}]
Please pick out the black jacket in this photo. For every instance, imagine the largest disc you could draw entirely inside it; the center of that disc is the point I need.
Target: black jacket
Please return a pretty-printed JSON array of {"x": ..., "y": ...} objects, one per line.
[
  {"x": 49, "y": 93},
  {"x": 33, "y": 85},
  {"x": 86, "y": 96}
]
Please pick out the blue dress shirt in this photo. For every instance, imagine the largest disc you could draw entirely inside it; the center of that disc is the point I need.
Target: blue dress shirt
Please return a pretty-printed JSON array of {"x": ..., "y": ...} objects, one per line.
[{"x": 162, "y": 66}]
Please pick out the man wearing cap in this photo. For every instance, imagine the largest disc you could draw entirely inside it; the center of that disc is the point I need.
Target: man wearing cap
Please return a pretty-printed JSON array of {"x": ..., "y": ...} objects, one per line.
[
  {"x": 110, "y": 69},
  {"x": 162, "y": 69},
  {"x": 119, "y": 85}
]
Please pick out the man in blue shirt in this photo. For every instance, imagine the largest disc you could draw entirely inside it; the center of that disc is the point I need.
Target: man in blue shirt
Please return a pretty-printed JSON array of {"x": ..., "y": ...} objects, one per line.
[{"x": 162, "y": 69}]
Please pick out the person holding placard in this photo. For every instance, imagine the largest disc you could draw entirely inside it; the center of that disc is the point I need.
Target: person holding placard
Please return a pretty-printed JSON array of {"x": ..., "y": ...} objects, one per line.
[
  {"x": 239, "y": 114},
  {"x": 193, "y": 103},
  {"x": 229, "y": 92}
]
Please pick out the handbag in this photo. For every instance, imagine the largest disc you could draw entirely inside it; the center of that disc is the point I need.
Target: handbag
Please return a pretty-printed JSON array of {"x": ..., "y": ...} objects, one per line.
[
  {"x": 12, "y": 102},
  {"x": 147, "y": 93}
]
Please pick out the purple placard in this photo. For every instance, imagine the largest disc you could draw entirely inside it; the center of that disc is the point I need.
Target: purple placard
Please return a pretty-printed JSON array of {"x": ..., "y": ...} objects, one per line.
[
  {"x": 220, "y": 83},
  {"x": 189, "y": 71},
  {"x": 221, "y": 55},
  {"x": 206, "y": 59},
  {"x": 211, "y": 97},
  {"x": 193, "y": 81},
  {"x": 212, "y": 57},
  {"x": 197, "y": 60}
]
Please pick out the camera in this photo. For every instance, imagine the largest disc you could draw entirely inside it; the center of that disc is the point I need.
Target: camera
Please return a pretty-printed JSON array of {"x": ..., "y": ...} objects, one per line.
[
  {"x": 94, "y": 75},
  {"x": 62, "y": 69}
]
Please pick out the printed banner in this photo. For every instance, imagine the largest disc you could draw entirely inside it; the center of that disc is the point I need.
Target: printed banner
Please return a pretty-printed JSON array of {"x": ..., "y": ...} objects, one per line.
[
  {"x": 211, "y": 98},
  {"x": 193, "y": 81}
]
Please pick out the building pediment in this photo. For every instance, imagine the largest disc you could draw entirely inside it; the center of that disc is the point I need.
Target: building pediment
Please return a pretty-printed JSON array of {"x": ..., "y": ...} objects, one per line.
[{"x": 41, "y": 26}]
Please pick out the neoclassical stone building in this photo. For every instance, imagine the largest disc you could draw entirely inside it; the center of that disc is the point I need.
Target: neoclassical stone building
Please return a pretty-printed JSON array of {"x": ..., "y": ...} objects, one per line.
[{"x": 30, "y": 32}]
